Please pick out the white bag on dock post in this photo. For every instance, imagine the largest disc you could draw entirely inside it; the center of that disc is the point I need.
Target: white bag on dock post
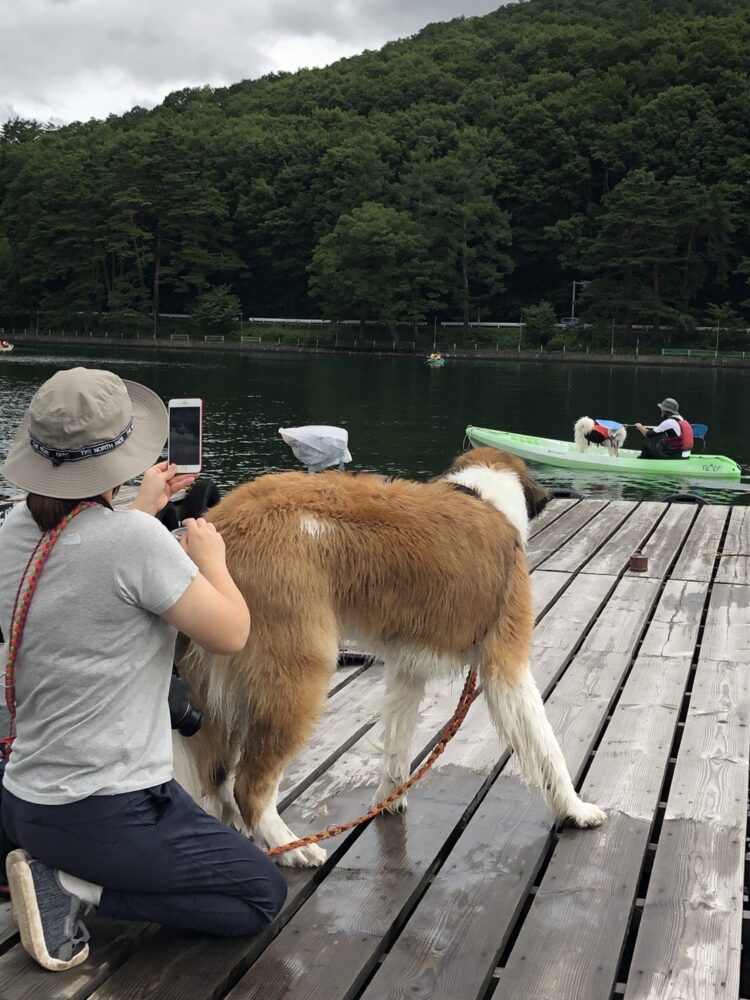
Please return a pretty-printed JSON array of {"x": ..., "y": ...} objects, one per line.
[{"x": 318, "y": 446}]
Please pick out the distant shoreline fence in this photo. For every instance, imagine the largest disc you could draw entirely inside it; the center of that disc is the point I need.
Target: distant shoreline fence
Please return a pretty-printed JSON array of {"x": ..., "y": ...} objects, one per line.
[{"x": 669, "y": 357}]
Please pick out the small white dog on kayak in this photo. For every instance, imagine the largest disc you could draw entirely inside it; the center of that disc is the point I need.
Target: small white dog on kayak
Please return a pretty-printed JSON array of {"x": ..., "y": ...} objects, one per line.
[{"x": 587, "y": 432}]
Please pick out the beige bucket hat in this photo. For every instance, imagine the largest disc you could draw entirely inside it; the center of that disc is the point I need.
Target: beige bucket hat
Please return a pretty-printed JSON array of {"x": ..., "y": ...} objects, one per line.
[{"x": 85, "y": 431}]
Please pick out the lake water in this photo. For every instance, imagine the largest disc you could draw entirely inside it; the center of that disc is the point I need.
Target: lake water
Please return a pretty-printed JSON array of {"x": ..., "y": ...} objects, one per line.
[{"x": 404, "y": 418}]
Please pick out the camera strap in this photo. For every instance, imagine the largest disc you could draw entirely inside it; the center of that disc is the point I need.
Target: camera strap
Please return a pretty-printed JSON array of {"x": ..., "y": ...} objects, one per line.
[{"x": 32, "y": 569}]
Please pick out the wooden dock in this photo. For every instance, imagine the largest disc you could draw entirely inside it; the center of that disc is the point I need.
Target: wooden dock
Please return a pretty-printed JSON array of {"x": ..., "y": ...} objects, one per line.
[{"x": 472, "y": 893}]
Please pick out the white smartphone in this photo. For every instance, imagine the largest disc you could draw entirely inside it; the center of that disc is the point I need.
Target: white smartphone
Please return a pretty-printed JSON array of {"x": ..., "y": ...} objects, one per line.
[{"x": 185, "y": 444}]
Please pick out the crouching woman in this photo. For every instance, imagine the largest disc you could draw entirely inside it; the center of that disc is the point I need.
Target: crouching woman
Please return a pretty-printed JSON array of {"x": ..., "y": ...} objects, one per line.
[{"x": 88, "y": 794}]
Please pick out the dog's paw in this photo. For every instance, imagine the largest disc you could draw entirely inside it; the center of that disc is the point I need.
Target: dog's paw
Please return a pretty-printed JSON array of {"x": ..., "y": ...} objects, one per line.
[
  {"x": 584, "y": 816},
  {"x": 311, "y": 856},
  {"x": 384, "y": 790}
]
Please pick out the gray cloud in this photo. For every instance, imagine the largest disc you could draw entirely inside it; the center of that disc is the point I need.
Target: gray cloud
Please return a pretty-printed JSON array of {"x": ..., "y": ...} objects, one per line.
[{"x": 72, "y": 59}]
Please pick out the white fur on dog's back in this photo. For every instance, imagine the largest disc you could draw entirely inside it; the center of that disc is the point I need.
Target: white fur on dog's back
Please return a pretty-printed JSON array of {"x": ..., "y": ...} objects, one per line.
[{"x": 500, "y": 487}]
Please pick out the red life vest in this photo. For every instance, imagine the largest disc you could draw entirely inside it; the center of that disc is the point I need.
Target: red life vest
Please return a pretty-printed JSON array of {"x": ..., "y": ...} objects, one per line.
[{"x": 685, "y": 441}]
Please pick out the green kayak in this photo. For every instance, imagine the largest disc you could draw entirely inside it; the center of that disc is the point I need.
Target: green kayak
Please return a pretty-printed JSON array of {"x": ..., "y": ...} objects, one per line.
[{"x": 564, "y": 455}]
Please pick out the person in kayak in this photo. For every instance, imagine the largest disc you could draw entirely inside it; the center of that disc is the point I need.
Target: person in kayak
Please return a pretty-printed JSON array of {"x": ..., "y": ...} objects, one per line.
[{"x": 671, "y": 438}]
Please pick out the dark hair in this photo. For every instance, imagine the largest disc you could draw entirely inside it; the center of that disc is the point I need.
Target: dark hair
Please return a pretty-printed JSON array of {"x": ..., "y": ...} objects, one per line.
[{"x": 49, "y": 511}]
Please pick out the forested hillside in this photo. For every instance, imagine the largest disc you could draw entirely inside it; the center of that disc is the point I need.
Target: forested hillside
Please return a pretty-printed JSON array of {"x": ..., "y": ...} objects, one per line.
[{"x": 478, "y": 167}]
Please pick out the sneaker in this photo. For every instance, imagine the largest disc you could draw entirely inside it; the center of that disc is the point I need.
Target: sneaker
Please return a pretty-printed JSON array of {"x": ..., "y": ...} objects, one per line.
[{"x": 48, "y": 916}]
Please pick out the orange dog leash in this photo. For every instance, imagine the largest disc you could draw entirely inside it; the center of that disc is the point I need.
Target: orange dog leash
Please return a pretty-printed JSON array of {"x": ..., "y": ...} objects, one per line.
[{"x": 453, "y": 725}]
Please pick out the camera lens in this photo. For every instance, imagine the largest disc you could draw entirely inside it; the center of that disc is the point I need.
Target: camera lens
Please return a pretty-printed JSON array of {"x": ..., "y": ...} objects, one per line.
[
  {"x": 184, "y": 716},
  {"x": 190, "y": 722}
]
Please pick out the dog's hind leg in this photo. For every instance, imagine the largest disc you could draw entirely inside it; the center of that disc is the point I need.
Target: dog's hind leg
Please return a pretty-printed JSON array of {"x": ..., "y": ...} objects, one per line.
[
  {"x": 403, "y": 695},
  {"x": 517, "y": 709}
]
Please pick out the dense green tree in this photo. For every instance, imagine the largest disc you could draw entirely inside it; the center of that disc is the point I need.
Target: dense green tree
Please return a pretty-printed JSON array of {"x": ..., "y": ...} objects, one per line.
[
  {"x": 540, "y": 322},
  {"x": 373, "y": 265},
  {"x": 550, "y": 141},
  {"x": 217, "y": 312}
]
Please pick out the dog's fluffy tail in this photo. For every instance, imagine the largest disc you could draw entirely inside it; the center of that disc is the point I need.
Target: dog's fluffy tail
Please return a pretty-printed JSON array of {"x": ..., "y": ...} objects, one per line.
[{"x": 581, "y": 428}]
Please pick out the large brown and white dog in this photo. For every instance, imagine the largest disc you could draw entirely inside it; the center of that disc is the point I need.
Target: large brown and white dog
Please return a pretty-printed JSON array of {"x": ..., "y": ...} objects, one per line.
[
  {"x": 587, "y": 432},
  {"x": 428, "y": 576}
]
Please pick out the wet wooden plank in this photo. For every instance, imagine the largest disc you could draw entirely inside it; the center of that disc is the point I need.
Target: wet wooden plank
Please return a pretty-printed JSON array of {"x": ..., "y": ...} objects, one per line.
[
  {"x": 344, "y": 791},
  {"x": 572, "y": 938},
  {"x": 572, "y": 612},
  {"x": 698, "y": 556},
  {"x": 23, "y": 979},
  {"x": 8, "y": 929},
  {"x": 613, "y": 557},
  {"x": 548, "y": 541},
  {"x": 382, "y": 875},
  {"x": 727, "y": 631},
  {"x": 689, "y": 940},
  {"x": 603, "y": 531},
  {"x": 202, "y": 965},
  {"x": 343, "y": 675},
  {"x": 546, "y": 588},
  {"x": 666, "y": 540},
  {"x": 450, "y": 946},
  {"x": 735, "y": 559},
  {"x": 349, "y": 714},
  {"x": 553, "y": 510}
]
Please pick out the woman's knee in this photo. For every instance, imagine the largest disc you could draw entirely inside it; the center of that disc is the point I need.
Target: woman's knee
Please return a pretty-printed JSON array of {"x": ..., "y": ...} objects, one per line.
[{"x": 275, "y": 895}]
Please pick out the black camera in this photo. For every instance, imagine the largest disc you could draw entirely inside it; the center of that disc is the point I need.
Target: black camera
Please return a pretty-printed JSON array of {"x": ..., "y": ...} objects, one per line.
[{"x": 186, "y": 718}]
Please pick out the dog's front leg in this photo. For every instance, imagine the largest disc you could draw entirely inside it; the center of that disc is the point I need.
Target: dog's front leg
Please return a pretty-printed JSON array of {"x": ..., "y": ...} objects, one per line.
[
  {"x": 399, "y": 718},
  {"x": 274, "y": 832}
]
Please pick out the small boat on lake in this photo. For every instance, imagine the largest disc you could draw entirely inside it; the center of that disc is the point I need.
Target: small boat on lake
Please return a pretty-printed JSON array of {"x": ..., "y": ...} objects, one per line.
[
  {"x": 6, "y": 347},
  {"x": 435, "y": 361},
  {"x": 565, "y": 455}
]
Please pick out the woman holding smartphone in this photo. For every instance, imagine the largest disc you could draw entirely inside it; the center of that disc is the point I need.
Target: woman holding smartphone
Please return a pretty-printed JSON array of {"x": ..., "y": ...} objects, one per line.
[{"x": 88, "y": 794}]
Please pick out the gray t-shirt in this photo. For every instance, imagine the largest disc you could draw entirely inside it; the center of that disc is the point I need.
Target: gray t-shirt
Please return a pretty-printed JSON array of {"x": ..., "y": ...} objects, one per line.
[{"x": 95, "y": 661}]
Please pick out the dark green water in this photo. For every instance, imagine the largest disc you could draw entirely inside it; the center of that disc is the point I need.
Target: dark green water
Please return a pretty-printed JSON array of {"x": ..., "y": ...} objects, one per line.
[{"x": 402, "y": 417}]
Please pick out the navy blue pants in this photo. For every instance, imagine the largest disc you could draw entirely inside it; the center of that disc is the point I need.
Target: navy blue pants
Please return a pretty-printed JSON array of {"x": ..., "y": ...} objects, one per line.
[{"x": 159, "y": 857}]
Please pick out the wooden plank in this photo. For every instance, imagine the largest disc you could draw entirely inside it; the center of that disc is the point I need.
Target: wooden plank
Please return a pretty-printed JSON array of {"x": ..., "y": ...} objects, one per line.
[
  {"x": 553, "y": 510},
  {"x": 342, "y": 792},
  {"x": 727, "y": 631},
  {"x": 8, "y": 929},
  {"x": 23, "y": 979},
  {"x": 667, "y": 540},
  {"x": 545, "y": 589},
  {"x": 698, "y": 556},
  {"x": 734, "y": 566},
  {"x": 572, "y": 938},
  {"x": 387, "y": 869},
  {"x": 349, "y": 715},
  {"x": 584, "y": 544},
  {"x": 552, "y": 537},
  {"x": 571, "y": 613},
  {"x": 613, "y": 558},
  {"x": 343, "y": 675},
  {"x": 689, "y": 940},
  {"x": 449, "y": 947}
]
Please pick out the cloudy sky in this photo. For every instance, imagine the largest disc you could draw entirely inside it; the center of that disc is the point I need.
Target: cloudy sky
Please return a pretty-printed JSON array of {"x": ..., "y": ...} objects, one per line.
[{"x": 67, "y": 60}]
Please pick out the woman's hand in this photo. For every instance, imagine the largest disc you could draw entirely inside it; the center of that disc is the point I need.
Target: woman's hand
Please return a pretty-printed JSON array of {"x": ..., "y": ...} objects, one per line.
[
  {"x": 160, "y": 483},
  {"x": 204, "y": 545}
]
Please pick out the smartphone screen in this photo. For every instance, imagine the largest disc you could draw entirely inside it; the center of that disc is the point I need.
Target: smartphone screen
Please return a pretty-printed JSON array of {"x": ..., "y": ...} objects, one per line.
[{"x": 185, "y": 436}]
